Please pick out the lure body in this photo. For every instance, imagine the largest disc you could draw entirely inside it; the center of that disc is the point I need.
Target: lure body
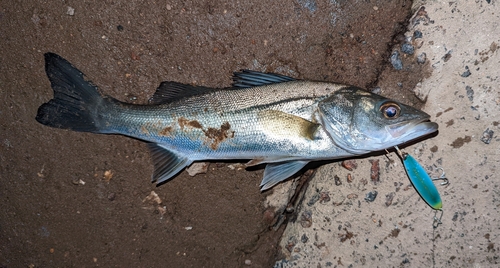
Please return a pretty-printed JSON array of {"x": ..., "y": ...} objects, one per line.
[{"x": 422, "y": 182}]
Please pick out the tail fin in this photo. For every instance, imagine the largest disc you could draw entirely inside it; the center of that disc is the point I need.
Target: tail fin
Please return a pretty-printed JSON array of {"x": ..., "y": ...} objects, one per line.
[{"x": 76, "y": 100}]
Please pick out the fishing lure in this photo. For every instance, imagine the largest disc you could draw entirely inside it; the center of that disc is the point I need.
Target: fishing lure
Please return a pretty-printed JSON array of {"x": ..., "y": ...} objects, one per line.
[{"x": 423, "y": 183}]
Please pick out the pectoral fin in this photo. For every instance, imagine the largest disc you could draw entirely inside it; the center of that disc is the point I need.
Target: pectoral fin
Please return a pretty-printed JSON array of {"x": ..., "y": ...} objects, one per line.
[
  {"x": 286, "y": 125},
  {"x": 166, "y": 163},
  {"x": 277, "y": 172}
]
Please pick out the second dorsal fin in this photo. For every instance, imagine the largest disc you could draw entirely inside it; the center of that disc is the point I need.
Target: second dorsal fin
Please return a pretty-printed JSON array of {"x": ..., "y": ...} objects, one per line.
[
  {"x": 247, "y": 78},
  {"x": 170, "y": 91}
]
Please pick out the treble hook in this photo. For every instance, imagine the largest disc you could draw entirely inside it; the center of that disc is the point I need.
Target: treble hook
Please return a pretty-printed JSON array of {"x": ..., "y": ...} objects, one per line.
[
  {"x": 437, "y": 221},
  {"x": 442, "y": 177}
]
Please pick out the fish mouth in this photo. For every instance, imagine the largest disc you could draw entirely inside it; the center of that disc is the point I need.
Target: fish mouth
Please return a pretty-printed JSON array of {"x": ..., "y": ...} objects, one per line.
[{"x": 407, "y": 131}]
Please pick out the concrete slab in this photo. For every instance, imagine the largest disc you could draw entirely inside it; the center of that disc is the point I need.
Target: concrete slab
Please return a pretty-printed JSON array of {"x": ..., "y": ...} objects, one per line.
[{"x": 460, "y": 40}]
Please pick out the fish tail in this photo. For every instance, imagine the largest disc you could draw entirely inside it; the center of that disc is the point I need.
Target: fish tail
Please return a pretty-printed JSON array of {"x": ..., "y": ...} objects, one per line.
[{"x": 77, "y": 104}]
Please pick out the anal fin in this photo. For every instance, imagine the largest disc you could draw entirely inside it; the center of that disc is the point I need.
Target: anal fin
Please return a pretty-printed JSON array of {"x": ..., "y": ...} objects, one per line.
[
  {"x": 166, "y": 163},
  {"x": 277, "y": 172},
  {"x": 254, "y": 162}
]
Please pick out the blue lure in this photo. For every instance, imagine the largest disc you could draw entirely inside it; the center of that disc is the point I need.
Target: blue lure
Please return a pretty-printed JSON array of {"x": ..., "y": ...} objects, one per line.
[{"x": 421, "y": 181}]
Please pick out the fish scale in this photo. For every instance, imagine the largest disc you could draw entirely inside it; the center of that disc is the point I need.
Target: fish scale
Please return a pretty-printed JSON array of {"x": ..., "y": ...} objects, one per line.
[{"x": 237, "y": 112}]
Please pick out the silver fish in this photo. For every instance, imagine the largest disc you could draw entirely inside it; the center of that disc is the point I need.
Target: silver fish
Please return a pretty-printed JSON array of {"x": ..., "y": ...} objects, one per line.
[{"x": 268, "y": 118}]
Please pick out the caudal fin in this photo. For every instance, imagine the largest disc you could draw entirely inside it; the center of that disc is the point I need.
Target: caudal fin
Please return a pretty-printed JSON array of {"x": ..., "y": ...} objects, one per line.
[{"x": 76, "y": 104}]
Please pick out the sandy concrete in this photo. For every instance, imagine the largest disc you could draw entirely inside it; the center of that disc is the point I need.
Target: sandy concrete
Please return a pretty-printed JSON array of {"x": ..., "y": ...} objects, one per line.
[{"x": 337, "y": 227}]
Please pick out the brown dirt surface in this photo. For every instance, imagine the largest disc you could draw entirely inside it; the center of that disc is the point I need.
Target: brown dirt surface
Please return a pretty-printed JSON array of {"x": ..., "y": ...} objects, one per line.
[{"x": 79, "y": 199}]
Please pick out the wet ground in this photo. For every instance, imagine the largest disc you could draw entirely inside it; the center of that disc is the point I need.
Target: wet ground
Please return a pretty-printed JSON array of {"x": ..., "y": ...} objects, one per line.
[{"x": 77, "y": 199}]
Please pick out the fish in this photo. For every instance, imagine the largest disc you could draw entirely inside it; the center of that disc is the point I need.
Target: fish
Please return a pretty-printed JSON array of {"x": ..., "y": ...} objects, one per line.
[{"x": 266, "y": 118}]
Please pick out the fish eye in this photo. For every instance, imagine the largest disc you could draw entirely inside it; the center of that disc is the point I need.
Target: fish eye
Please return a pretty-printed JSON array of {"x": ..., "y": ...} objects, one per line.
[{"x": 390, "y": 110}]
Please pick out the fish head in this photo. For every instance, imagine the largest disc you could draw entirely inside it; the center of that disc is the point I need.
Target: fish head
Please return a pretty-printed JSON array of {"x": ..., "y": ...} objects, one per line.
[{"x": 361, "y": 122}]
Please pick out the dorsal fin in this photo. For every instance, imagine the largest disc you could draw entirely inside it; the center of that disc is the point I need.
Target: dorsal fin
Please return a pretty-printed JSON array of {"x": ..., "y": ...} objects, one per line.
[
  {"x": 247, "y": 78},
  {"x": 170, "y": 91}
]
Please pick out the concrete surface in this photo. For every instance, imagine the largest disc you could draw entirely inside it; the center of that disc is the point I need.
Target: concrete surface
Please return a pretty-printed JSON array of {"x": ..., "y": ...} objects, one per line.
[{"x": 461, "y": 41}]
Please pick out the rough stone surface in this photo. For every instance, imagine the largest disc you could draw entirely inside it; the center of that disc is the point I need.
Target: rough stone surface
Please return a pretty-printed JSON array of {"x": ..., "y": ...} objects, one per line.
[{"x": 397, "y": 230}]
